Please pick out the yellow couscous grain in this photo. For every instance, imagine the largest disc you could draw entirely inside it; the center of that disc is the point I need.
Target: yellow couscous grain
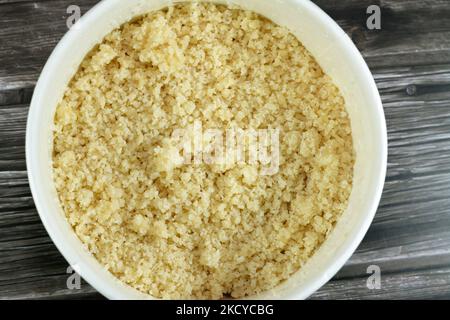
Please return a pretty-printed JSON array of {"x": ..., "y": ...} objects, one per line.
[{"x": 199, "y": 230}]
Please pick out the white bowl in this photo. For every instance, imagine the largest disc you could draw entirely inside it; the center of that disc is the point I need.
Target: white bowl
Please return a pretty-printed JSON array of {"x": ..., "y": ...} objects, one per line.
[{"x": 334, "y": 51}]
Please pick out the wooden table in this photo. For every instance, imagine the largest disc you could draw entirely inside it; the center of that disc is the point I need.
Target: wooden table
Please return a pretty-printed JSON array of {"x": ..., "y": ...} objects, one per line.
[{"x": 410, "y": 237}]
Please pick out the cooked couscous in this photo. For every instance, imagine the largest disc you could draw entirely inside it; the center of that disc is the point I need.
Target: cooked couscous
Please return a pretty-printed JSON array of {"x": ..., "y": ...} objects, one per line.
[{"x": 200, "y": 230}]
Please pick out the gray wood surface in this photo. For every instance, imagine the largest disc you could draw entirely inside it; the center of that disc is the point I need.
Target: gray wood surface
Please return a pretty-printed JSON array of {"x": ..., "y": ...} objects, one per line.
[{"x": 410, "y": 236}]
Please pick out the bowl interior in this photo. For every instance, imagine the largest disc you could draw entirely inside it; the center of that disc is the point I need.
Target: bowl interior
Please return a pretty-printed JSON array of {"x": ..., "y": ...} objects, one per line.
[{"x": 332, "y": 49}]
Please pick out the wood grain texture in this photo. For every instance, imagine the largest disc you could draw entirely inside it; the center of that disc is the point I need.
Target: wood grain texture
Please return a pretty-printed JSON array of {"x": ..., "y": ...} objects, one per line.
[{"x": 410, "y": 236}]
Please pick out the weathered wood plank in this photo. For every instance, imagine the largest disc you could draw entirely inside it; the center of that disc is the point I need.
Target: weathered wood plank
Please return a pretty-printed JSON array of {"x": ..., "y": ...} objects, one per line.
[
  {"x": 413, "y": 32},
  {"x": 406, "y": 235},
  {"x": 16, "y": 96},
  {"x": 29, "y": 31},
  {"x": 12, "y": 137},
  {"x": 425, "y": 284},
  {"x": 46, "y": 287}
]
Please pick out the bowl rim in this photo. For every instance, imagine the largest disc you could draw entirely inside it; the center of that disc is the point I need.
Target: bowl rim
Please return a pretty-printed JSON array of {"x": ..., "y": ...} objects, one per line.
[{"x": 105, "y": 287}]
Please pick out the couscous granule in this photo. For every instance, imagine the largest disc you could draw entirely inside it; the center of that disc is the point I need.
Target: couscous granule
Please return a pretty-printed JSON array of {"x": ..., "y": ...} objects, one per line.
[{"x": 200, "y": 231}]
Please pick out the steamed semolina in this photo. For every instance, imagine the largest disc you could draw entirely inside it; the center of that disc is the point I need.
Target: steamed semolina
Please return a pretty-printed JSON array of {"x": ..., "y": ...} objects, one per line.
[{"x": 177, "y": 230}]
